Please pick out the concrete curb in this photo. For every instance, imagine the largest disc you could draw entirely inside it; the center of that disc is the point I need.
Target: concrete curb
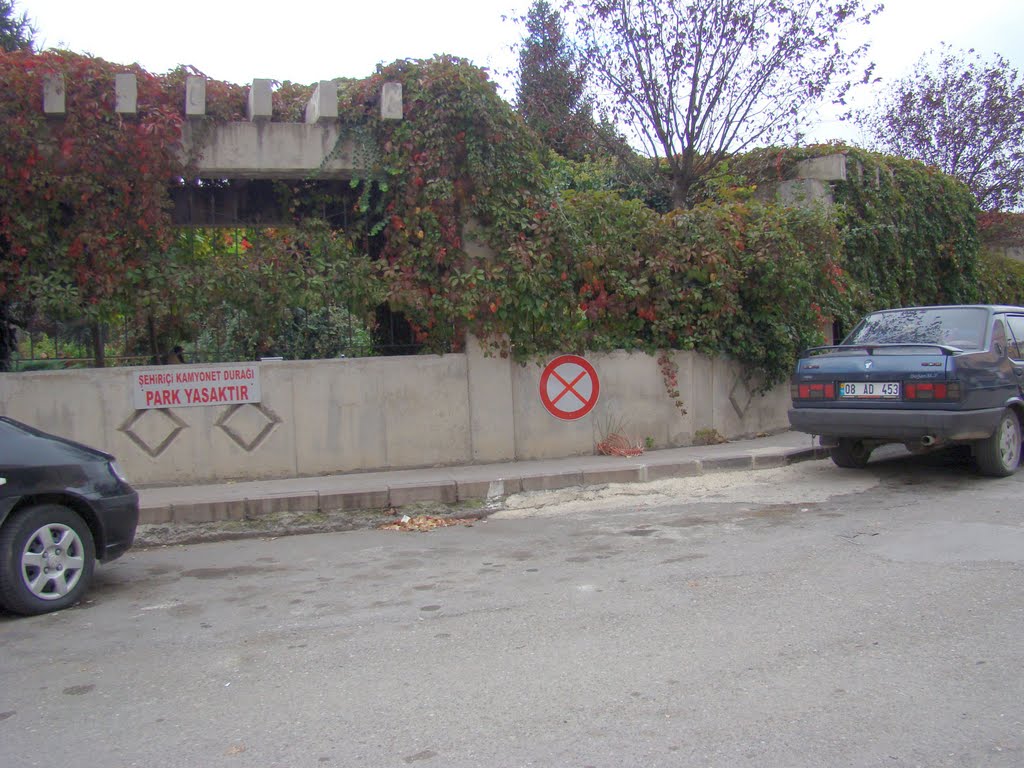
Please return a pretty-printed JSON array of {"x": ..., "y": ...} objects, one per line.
[{"x": 338, "y": 497}]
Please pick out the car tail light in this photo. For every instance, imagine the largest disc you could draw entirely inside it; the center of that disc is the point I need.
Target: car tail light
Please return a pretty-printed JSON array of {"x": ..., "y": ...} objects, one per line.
[
  {"x": 932, "y": 390},
  {"x": 822, "y": 391}
]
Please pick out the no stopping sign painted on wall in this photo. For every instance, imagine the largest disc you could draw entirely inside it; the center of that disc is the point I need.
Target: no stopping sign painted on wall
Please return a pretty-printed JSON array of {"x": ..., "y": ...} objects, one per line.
[{"x": 569, "y": 387}]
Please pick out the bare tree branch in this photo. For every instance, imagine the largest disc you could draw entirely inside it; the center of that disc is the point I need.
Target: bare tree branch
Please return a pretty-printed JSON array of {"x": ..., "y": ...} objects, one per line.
[
  {"x": 697, "y": 80},
  {"x": 962, "y": 114}
]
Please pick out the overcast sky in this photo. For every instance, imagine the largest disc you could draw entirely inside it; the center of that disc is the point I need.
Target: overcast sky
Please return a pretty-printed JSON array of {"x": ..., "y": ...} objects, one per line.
[{"x": 309, "y": 40}]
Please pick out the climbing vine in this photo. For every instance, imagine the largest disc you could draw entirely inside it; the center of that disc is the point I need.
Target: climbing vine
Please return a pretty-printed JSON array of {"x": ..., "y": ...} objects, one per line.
[
  {"x": 458, "y": 219},
  {"x": 909, "y": 232},
  {"x": 83, "y": 198},
  {"x": 670, "y": 378}
]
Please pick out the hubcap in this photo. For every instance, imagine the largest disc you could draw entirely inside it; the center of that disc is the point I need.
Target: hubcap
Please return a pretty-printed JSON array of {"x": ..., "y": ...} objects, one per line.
[
  {"x": 52, "y": 562},
  {"x": 1009, "y": 442}
]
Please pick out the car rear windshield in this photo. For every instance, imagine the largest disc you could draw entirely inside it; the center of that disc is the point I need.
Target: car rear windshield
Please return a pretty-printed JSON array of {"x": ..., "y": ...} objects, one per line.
[{"x": 961, "y": 327}]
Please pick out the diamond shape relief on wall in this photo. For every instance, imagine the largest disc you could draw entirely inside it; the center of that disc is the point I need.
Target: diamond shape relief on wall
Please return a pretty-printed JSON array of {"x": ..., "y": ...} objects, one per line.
[
  {"x": 153, "y": 430},
  {"x": 740, "y": 396},
  {"x": 248, "y": 424}
]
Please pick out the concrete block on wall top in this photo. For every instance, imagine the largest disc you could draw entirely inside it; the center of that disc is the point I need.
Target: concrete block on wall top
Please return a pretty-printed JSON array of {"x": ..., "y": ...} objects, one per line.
[
  {"x": 260, "y": 103},
  {"x": 323, "y": 106},
  {"x": 803, "y": 192},
  {"x": 827, "y": 168},
  {"x": 195, "y": 96},
  {"x": 391, "y": 101},
  {"x": 54, "y": 102},
  {"x": 126, "y": 93}
]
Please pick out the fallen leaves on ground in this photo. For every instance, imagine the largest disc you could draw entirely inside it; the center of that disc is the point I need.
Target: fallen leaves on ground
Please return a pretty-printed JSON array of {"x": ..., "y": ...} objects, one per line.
[
  {"x": 425, "y": 523},
  {"x": 618, "y": 445}
]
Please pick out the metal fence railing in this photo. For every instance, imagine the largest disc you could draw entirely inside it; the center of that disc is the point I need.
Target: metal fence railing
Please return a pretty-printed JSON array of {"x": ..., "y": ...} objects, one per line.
[{"x": 48, "y": 345}]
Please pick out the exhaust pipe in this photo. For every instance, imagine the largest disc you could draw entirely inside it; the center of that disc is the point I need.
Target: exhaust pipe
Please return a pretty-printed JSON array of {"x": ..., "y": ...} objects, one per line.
[{"x": 928, "y": 441}]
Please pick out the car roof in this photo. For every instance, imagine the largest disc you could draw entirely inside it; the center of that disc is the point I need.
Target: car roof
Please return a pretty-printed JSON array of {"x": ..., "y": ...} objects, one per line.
[{"x": 987, "y": 307}]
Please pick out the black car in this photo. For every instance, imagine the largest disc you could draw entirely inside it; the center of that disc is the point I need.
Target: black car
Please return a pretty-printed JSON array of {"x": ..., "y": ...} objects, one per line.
[
  {"x": 63, "y": 506},
  {"x": 926, "y": 377}
]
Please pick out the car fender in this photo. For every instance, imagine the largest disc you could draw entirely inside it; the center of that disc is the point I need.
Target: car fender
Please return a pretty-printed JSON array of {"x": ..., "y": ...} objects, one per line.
[
  {"x": 6, "y": 505},
  {"x": 81, "y": 505},
  {"x": 1017, "y": 405}
]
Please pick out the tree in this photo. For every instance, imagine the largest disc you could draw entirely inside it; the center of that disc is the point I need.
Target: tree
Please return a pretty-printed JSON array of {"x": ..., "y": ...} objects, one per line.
[
  {"x": 83, "y": 200},
  {"x": 550, "y": 95},
  {"x": 15, "y": 33},
  {"x": 698, "y": 80},
  {"x": 963, "y": 115}
]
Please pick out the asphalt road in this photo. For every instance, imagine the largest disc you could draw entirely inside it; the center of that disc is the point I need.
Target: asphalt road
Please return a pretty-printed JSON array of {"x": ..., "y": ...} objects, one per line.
[{"x": 805, "y": 616}]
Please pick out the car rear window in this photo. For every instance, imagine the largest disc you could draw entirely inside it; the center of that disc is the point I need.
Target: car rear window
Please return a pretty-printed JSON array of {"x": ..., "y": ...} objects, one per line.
[{"x": 961, "y": 327}]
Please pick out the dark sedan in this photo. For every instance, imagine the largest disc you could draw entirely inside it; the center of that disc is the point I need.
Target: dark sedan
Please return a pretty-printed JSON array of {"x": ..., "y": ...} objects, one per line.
[
  {"x": 926, "y": 377},
  {"x": 63, "y": 506}
]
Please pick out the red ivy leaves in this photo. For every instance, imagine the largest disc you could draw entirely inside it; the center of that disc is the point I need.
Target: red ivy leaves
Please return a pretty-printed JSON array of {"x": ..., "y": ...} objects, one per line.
[{"x": 90, "y": 185}]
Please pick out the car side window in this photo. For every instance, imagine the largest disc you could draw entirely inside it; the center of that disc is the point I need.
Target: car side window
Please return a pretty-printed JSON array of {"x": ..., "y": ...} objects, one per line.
[
  {"x": 999, "y": 338},
  {"x": 1016, "y": 336}
]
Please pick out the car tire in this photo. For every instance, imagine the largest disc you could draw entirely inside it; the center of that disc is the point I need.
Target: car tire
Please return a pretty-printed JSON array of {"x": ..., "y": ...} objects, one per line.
[
  {"x": 47, "y": 559},
  {"x": 849, "y": 453},
  {"x": 999, "y": 455}
]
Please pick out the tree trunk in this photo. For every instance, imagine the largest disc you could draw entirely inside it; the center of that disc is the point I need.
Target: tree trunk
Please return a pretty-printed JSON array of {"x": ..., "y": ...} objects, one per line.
[
  {"x": 153, "y": 348},
  {"x": 680, "y": 192},
  {"x": 98, "y": 347},
  {"x": 8, "y": 340}
]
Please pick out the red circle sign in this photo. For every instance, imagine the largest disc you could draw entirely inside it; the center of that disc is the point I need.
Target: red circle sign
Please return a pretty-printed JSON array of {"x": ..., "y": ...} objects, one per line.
[{"x": 569, "y": 387}]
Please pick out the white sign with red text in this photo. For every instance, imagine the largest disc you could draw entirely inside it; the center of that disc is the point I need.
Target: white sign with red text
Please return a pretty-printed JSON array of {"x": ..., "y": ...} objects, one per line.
[{"x": 182, "y": 386}]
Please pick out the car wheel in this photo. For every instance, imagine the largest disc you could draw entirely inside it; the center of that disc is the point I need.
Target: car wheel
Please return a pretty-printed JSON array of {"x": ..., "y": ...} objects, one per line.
[
  {"x": 850, "y": 453},
  {"x": 999, "y": 455},
  {"x": 47, "y": 557}
]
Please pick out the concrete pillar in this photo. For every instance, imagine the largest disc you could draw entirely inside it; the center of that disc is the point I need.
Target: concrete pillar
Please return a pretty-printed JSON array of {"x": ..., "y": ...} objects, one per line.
[
  {"x": 54, "y": 102},
  {"x": 491, "y": 410},
  {"x": 126, "y": 94},
  {"x": 323, "y": 106},
  {"x": 803, "y": 192},
  {"x": 699, "y": 394},
  {"x": 261, "y": 105},
  {"x": 391, "y": 102},
  {"x": 195, "y": 96}
]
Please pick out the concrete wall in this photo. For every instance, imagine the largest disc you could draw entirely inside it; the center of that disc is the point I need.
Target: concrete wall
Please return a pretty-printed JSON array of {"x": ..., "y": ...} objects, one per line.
[
  {"x": 634, "y": 402},
  {"x": 1015, "y": 252},
  {"x": 258, "y": 148},
  {"x": 811, "y": 185},
  {"x": 335, "y": 416}
]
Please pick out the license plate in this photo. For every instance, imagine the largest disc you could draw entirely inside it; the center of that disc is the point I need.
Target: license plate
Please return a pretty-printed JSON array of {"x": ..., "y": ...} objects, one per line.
[{"x": 870, "y": 390}]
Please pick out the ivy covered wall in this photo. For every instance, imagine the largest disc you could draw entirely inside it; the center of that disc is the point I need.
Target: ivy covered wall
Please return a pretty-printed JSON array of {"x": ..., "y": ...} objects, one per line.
[{"x": 85, "y": 229}]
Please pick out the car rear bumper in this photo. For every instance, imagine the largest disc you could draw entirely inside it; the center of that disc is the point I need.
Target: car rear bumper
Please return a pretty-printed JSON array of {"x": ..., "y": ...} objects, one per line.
[{"x": 896, "y": 425}]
